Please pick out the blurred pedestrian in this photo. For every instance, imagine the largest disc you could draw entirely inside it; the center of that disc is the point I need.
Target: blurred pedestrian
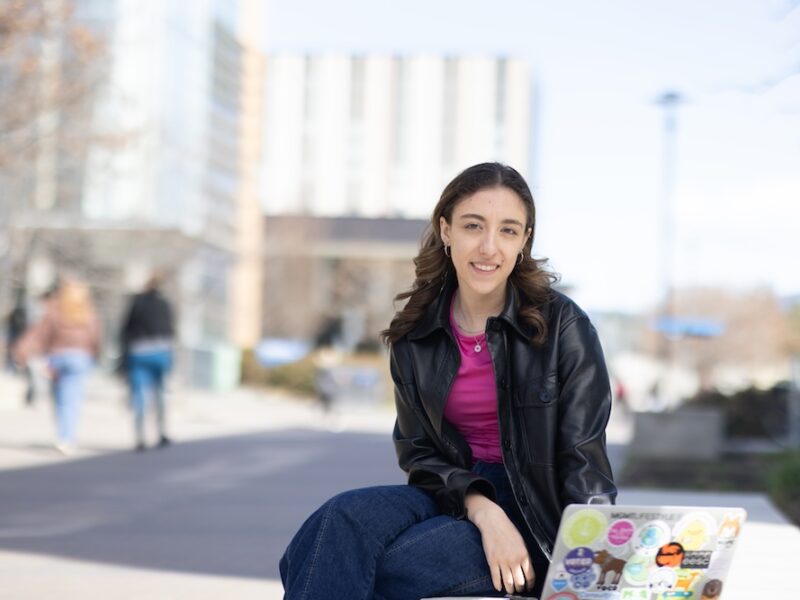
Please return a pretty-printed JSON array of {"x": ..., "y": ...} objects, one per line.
[
  {"x": 16, "y": 325},
  {"x": 146, "y": 338},
  {"x": 621, "y": 395},
  {"x": 502, "y": 399},
  {"x": 68, "y": 334}
]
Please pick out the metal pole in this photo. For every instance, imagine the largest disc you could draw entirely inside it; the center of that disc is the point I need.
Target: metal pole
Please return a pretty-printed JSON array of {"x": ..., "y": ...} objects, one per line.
[{"x": 669, "y": 102}]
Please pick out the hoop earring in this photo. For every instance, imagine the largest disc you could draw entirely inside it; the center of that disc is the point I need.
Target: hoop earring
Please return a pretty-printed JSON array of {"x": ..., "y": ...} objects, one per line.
[
  {"x": 446, "y": 248},
  {"x": 521, "y": 258}
]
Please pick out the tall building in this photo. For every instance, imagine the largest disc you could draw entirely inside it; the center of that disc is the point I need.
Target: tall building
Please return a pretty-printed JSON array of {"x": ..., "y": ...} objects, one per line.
[
  {"x": 175, "y": 193},
  {"x": 382, "y": 135}
]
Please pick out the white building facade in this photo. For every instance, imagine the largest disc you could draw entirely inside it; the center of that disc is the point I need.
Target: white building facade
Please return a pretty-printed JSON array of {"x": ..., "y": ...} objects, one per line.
[
  {"x": 169, "y": 195},
  {"x": 382, "y": 135}
]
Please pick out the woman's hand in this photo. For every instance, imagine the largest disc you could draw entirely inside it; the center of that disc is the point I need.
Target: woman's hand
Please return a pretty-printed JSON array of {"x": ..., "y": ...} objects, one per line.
[{"x": 503, "y": 545}]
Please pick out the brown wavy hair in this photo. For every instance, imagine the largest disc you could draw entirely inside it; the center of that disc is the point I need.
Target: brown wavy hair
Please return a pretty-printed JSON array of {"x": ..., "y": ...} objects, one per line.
[{"x": 433, "y": 266}]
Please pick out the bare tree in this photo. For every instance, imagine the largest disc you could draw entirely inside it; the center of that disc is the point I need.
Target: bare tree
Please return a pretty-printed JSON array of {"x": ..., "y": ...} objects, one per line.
[
  {"x": 52, "y": 70},
  {"x": 757, "y": 331}
]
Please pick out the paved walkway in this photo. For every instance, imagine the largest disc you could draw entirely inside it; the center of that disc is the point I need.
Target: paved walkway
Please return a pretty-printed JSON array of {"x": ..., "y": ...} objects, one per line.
[{"x": 765, "y": 556}]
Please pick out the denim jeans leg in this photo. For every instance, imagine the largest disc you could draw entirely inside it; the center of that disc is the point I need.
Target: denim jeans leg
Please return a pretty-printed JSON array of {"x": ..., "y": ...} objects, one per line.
[
  {"x": 441, "y": 556},
  {"x": 70, "y": 379},
  {"x": 336, "y": 551},
  {"x": 163, "y": 362},
  {"x": 140, "y": 382}
]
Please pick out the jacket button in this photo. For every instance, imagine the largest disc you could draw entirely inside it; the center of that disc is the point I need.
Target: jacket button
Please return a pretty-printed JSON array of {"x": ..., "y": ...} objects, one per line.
[
  {"x": 545, "y": 396},
  {"x": 507, "y": 444},
  {"x": 503, "y": 383},
  {"x": 523, "y": 501}
]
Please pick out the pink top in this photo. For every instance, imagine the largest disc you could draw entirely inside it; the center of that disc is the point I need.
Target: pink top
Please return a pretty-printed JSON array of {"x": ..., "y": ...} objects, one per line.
[{"x": 472, "y": 404}]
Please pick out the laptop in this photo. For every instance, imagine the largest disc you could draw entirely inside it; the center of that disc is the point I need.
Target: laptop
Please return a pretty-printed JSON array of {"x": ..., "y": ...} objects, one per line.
[{"x": 617, "y": 552}]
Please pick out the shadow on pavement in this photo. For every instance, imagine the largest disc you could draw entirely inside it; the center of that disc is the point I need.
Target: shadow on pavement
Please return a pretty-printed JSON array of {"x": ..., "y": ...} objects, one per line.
[{"x": 224, "y": 506}]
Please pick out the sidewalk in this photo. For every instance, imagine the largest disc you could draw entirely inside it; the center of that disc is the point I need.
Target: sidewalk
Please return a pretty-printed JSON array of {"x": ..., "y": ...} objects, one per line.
[
  {"x": 763, "y": 560},
  {"x": 26, "y": 434}
]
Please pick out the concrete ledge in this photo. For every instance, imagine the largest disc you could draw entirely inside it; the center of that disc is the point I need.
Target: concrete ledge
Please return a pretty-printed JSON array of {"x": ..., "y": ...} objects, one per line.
[{"x": 684, "y": 433}]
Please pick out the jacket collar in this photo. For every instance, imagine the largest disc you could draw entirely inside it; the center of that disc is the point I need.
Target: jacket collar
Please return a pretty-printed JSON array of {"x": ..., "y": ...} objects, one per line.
[{"x": 438, "y": 314}]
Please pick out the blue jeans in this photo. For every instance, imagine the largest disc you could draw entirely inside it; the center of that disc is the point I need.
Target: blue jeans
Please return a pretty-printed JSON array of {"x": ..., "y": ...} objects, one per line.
[
  {"x": 146, "y": 373},
  {"x": 70, "y": 368},
  {"x": 391, "y": 543}
]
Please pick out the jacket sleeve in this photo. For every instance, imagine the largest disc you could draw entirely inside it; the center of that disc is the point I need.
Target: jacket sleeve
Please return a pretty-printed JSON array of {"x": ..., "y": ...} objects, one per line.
[
  {"x": 420, "y": 455},
  {"x": 35, "y": 341},
  {"x": 584, "y": 409}
]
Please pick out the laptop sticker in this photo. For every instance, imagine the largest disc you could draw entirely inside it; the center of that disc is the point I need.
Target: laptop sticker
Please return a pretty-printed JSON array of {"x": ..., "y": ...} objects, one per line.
[
  {"x": 620, "y": 533},
  {"x": 697, "y": 559},
  {"x": 636, "y": 570},
  {"x": 584, "y": 527},
  {"x": 651, "y": 537},
  {"x": 662, "y": 579},
  {"x": 609, "y": 564},
  {"x": 729, "y": 529},
  {"x": 712, "y": 590},
  {"x": 687, "y": 579},
  {"x": 578, "y": 560},
  {"x": 694, "y": 530},
  {"x": 560, "y": 579},
  {"x": 670, "y": 555},
  {"x": 563, "y": 596},
  {"x": 583, "y": 581}
]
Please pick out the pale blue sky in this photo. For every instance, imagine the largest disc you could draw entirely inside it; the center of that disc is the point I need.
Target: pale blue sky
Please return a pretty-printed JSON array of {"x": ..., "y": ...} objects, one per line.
[{"x": 600, "y": 65}]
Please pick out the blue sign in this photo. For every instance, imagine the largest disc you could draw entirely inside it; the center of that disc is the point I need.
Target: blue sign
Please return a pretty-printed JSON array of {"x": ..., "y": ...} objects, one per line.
[{"x": 273, "y": 352}]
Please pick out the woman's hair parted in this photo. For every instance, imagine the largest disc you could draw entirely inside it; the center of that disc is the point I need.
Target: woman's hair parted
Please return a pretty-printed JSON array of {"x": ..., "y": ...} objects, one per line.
[{"x": 529, "y": 277}]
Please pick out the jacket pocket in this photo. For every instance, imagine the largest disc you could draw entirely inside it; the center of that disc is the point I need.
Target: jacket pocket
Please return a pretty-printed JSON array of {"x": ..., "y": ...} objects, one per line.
[
  {"x": 536, "y": 415},
  {"x": 541, "y": 392}
]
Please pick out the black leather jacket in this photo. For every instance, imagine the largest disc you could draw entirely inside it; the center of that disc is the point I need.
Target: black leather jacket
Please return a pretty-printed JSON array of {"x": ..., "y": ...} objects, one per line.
[{"x": 553, "y": 404}]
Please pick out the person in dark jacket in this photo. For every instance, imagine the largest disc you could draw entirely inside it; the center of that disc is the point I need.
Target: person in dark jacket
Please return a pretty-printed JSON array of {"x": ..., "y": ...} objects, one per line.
[
  {"x": 502, "y": 399},
  {"x": 16, "y": 325},
  {"x": 146, "y": 338}
]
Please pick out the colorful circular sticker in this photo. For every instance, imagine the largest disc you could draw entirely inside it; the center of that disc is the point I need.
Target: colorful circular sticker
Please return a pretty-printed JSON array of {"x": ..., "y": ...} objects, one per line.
[
  {"x": 579, "y": 560},
  {"x": 712, "y": 589},
  {"x": 650, "y": 537},
  {"x": 694, "y": 531},
  {"x": 636, "y": 571},
  {"x": 563, "y": 596},
  {"x": 583, "y": 527},
  {"x": 620, "y": 532}
]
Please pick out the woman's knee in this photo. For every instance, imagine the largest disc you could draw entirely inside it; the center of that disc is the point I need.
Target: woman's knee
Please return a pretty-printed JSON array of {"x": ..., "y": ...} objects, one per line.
[
  {"x": 362, "y": 502},
  {"x": 381, "y": 512}
]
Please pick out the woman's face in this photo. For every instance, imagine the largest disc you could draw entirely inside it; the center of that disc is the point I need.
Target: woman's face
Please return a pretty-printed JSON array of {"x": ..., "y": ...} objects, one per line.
[{"x": 486, "y": 234}]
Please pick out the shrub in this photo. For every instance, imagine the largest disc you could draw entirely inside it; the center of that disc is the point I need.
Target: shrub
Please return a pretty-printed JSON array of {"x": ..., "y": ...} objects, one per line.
[
  {"x": 298, "y": 377},
  {"x": 784, "y": 484},
  {"x": 750, "y": 413}
]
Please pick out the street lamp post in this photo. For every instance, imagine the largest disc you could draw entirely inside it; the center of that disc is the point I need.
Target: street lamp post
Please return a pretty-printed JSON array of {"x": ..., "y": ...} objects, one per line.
[{"x": 669, "y": 102}]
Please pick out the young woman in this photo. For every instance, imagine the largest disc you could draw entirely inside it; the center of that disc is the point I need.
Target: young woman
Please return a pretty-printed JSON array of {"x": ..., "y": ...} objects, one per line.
[
  {"x": 69, "y": 335},
  {"x": 502, "y": 401}
]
